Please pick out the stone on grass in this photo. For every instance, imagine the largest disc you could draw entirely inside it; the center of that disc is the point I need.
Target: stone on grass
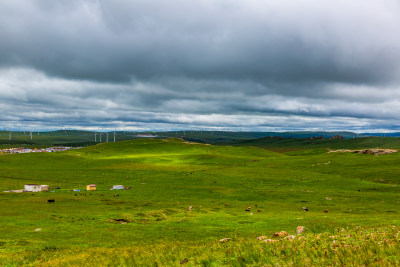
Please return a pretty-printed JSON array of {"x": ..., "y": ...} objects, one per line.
[
  {"x": 280, "y": 234},
  {"x": 38, "y": 229},
  {"x": 262, "y": 237},
  {"x": 300, "y": 229},
  {"x": 223, "y": 240}
]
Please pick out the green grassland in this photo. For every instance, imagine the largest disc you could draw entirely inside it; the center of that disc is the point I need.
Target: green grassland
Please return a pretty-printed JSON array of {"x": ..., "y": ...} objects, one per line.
[{"x": 150, "y": 224}]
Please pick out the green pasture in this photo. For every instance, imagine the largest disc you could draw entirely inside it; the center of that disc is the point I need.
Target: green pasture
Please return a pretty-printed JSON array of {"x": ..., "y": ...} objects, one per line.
[{"x": 151, "y": 224}]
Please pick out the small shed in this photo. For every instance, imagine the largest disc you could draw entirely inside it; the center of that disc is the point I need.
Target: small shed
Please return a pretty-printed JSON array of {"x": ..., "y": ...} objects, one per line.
[
  {"x": 44, "y": 187},
  {"x": 118, "y": 187},
  {"x": 91, "y": 187},
  {"x": 33, "y": 187}
]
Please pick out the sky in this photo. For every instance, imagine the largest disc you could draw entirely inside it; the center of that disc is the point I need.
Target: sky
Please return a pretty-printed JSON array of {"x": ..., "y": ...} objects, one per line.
[{"x": 254, "y": 65}]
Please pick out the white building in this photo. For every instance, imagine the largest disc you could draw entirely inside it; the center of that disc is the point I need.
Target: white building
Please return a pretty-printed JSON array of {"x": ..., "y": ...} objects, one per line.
[
  {"x": 44, "y": 187},
  {"x": 33, "y": 187},
  {"x": 118, "y": 187},
  {"x": 36, "y": 187}
]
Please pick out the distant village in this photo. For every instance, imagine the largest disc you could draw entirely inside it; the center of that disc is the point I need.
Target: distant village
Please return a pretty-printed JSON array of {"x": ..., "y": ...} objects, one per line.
[
  {"x": 20, "y": 150},
  {"x": 41, "y": 188}
]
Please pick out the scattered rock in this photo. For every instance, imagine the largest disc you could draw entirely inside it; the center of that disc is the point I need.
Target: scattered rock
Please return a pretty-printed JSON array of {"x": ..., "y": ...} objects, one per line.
[
  {"x": 280, "y": 234},
  {"x": 300, "y": 229},
  {"x": 262, "y": 237},
  {"x": 223, "y": 240},
  {"x": 375, "y": 151},
  {"x": 327, "y": 198},
  {"x": 290, "y": 237},
  {"x": 38, "y": 229}
]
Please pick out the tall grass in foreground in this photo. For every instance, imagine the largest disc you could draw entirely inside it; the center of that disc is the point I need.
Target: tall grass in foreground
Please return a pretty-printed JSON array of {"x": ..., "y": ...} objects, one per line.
[{"x": 357, "y": 246}]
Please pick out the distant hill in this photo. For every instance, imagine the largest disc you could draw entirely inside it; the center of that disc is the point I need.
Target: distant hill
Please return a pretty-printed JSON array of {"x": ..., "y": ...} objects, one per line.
[
  {"x": 290, "y": 144},
  {"x": 85, "y": 138}
]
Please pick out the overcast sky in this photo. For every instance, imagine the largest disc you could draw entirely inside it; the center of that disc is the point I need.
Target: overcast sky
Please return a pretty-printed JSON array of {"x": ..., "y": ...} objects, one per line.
[{"x": 220, "y": 64}]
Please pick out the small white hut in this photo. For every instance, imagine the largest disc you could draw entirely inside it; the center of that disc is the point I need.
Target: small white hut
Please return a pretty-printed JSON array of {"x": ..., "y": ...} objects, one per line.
[
  {"x": 33, "y": 187},
  {"x": 118, "y": 187},
  {"x": 44, "y": 187}
]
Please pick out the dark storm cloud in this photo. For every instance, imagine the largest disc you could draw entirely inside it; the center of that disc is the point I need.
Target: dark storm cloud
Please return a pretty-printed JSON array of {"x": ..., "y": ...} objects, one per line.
[
  {"x": 257, "y": 40},
  {"x": 200, "y": 63}
]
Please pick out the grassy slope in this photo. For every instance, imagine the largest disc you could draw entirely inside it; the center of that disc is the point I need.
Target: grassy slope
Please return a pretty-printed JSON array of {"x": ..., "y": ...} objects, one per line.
[
  {"x": 168, "y": 176},
  {"x": 291, "y": 144}
]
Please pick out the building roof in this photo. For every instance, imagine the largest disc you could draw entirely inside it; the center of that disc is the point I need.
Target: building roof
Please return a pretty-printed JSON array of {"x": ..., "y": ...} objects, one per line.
[{"x": 33, "y": 184}]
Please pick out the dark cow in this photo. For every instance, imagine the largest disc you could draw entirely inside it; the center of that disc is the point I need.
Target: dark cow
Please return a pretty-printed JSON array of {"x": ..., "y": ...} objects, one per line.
[{"x": 50, "y": 201}]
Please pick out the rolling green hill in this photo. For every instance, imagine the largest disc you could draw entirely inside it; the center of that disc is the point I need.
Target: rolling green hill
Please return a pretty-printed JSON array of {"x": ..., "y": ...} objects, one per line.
[
  {"x": 152, "y": 224},
  {"x": 85, "y": 138},
  {"x": 291, "y": 144}
]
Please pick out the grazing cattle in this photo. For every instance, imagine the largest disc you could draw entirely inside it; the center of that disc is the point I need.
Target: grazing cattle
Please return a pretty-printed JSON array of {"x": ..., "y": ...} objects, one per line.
[
  {"x": 50, "y": 201},
  {"x": 116, "y": 195},
  {"x": 305, "y": 209},
  {"x": 248, "y": 209},
  {"x": 184, "y": 261},
  {"x": 258, "y": 210},
  {"x": 325, "y": 211},
  {"x": 190, "y": 208}
]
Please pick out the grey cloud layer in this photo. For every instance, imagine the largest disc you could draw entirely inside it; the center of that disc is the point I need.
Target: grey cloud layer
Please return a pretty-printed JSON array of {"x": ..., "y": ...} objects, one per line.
[{"x": 175, "y": 62}]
